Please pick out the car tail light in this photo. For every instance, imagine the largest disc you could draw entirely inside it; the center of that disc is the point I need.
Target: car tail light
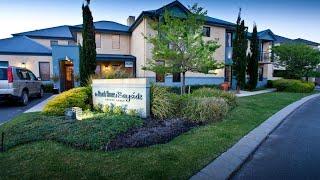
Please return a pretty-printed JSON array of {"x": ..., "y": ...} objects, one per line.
[{"x": 10, "y": 75}]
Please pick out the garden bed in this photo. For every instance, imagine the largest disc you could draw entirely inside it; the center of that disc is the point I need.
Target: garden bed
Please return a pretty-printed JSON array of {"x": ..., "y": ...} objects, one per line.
[{"x": 151, "y": 133}]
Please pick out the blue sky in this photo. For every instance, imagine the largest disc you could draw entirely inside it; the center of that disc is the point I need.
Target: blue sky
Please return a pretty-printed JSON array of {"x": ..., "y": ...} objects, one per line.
[{"x": 290, "y": 18}]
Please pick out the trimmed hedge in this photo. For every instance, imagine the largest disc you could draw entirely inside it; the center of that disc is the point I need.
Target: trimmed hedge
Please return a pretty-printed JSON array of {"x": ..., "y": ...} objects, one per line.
[
  {"x": 290, "y": 85},
  {"x": 230, "y": 98},
  {"x": 177, "y": 90},
  {"x": 77, "y": 97}
]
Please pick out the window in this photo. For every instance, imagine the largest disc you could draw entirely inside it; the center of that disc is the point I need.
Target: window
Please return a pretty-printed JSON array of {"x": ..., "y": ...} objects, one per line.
[
  {"x": 44, "y": 71},
  {"x": 4, "y": 63},
  {"x": 206, "y": 31},
  {"x": 176, "y": 77},
  {"x": 116, "y": 41},
  {"x": 70, "y": 42},
  {"x": 3, "y": 74},
  {"x": 23, "y": 74},
  {"x": 98, "y": 40},
  {"x": 54, "y": 42},
  {"x": 260, "y": 72},
  {"x": 160, "y": 76},
  {"x": 32, "y": 76},
  {"x": 229, "y": 40}
]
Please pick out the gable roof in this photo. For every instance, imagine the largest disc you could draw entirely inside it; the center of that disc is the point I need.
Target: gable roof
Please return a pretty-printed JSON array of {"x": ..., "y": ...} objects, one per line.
[
  {"x": 307, "y": 42},
  {"x": 266, "y": 35},
  {"x": 22, "y": 45},
  {"x": 281, "y": 39},
  {"x": 59, "y": 32},
  {"x": 178, "y": 6},
  {"x": 107, "y": 26}
]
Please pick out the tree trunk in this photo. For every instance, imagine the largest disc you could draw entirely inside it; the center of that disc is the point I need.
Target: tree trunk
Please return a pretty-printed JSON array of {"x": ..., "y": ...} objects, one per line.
[{"x": 183, "y": 87}]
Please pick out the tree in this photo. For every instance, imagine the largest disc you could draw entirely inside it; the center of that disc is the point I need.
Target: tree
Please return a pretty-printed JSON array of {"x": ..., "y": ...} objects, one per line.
[
  {"x": 180, "y": 46},
  {"x": 88, "y": 48},
  {"x": 239, "y": 55},
  {"x": 299, "y": 60},
  {"x": 253, "y": 60}
]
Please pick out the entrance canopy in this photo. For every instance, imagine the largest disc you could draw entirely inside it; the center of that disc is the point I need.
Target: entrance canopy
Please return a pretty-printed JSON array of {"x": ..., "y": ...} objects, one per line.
[{"x": 115, "y": 57}]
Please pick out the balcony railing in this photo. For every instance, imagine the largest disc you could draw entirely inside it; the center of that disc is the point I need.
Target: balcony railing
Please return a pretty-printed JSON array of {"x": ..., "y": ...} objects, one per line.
[{"x": 265, "y": 57}]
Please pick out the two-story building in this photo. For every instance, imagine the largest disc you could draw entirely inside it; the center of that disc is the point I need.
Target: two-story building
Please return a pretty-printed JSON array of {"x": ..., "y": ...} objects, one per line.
[{"x": 53, "y": 53}]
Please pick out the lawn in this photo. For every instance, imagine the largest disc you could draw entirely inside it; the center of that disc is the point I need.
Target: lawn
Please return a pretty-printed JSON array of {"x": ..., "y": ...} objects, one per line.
[{"x": 178, "y": 159}]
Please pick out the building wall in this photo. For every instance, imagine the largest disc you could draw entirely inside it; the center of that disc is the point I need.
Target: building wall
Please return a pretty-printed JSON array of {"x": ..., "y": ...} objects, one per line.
[
  {"x": 138, "y": 47},
  {"x": 142, "y": 50},
  {"x": 31, "y": 62},
  {"x": 46, "y": 42},
  {"x": 106, "y": 44}
]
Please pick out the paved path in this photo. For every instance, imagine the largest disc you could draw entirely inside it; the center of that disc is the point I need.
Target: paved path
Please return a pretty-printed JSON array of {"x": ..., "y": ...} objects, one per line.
[
  {"x": 9, "y": 110},
  {"x": 252, "y": 93},
  {"x": 39, "y": 107},
  {"x": 292, "y": 151}
]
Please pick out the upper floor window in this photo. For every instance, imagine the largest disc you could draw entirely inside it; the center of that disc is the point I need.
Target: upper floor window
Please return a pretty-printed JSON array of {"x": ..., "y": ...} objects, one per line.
[
  {"x": 116, "y": 41},
  {"x": 206, "y": 31},
  {"x": 54, "y": 42},
  {"x": 229, "y": 39},
  {"x": 98, "y": 40}
]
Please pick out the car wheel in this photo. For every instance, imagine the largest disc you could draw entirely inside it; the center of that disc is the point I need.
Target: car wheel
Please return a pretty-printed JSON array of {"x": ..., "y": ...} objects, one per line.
[
  {"x": 24, "y": 99},
  {"x": 40, "y": 95}
]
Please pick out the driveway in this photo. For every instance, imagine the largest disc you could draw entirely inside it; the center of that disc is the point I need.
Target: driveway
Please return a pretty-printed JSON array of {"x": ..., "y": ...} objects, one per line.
[
  {"x": 292, "y": 151},
  {"x": 9, "y": 110}
]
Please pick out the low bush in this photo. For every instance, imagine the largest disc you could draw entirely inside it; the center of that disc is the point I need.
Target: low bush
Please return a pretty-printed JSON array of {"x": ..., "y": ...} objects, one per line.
[
  {"x": 230, "y": 98},
  {"x": 48, "y": 88},
  {"x": 162, "y": 105},
  {"x": 77, "y": 97},
  {"x": 205, "y": 109},
  {"x": 177, "y": 90},
  {"x": 290, "y": 85}
]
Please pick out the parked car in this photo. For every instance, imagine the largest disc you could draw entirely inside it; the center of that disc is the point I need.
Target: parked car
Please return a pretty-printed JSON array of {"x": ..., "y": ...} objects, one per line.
[{"x": 19, "y": 84}]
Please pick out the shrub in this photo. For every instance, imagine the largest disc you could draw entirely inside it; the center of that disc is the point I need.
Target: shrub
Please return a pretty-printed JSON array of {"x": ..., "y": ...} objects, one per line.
[
  {"x": 161, "y": 103},
  {"x": 48, "y": 88},
  {"x": 77, "y": 97},
  {"x": 118, "y": 110},
  {"x": 290, "y": 85},
  {"x": 230, "y": 98},
  {"x": 205, "y": 109}
]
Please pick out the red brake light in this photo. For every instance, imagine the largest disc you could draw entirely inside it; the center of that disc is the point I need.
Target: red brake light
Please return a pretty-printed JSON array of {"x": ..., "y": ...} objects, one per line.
[{"x": 10, "y": 75}]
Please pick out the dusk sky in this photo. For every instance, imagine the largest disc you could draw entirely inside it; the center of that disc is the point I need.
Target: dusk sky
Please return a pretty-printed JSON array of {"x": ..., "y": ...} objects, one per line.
[{"x": 290, "y": 18}]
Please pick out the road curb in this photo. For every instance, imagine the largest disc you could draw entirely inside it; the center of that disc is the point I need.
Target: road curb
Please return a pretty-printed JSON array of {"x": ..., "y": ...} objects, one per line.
[{"x": 231, "y": 160}]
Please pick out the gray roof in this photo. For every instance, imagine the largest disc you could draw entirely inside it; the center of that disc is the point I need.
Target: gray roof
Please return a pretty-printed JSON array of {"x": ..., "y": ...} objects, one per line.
[
  {"x": 108, "y": 26},
  {"x": 281, "y": 39},
  {"x": 22, "y": 45},
  {"x": 307, "y": 42},
  {"x": 62, "y": 32}
]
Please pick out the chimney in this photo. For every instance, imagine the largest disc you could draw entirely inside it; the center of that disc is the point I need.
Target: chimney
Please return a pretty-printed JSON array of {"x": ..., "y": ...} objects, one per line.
[{"x": 131, "y": 20}]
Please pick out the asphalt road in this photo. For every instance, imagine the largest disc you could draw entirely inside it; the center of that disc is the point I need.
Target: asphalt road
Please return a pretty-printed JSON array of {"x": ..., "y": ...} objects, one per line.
[
  {"x": 292, "y": 151},
  {"x": 10, "y": 109}
]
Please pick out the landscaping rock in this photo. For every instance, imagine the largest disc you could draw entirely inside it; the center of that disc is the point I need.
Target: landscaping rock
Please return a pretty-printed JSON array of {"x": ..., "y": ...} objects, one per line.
[
  {"x": 152, "y": 132},
  {"x": 74, "y": 113}
]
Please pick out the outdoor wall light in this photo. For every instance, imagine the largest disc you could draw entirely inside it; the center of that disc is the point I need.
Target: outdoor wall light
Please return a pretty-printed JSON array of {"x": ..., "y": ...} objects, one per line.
[{"x": 23, "y": 65}]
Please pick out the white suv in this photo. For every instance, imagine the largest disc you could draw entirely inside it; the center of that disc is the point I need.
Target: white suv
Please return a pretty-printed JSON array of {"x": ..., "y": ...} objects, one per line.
[{"x": 19, "y": 84}]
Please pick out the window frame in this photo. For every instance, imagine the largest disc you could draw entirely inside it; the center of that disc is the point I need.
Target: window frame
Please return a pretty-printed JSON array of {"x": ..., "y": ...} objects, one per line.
[
  {"x": 40, "y": 74},
  {"x": 176, "y": 77},
  {"x": 260, "y": 73},
  {"x": 113, "y": 45},
  {"x": 206, "y": 31},
  {"x": 98, "y": 45},
  {"x": 54, "y": 44}
]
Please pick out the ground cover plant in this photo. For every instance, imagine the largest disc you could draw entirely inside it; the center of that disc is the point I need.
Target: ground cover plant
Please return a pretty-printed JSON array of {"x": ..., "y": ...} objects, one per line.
[{"x": 177, "y": 159}]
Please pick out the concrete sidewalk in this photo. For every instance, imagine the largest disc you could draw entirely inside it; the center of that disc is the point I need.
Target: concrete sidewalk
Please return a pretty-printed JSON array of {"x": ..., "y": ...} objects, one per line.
[
  {"x": 231, "y": 160},
  {"x": 252, "y": 93},
  {"x": 39, "y": 107}
]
